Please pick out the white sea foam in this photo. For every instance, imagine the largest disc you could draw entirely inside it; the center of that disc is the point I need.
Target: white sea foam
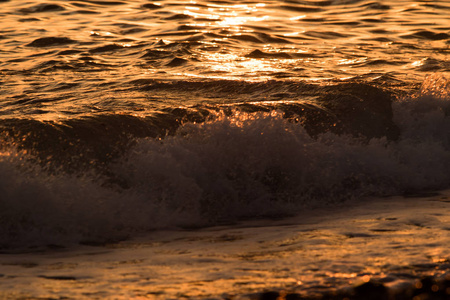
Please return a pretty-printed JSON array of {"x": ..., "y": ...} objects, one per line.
[{"x": 241, "y": 166}]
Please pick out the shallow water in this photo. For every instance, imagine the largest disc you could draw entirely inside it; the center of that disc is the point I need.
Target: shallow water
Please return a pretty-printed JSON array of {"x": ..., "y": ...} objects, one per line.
[
  {"x": 126, "y": 116},
  {"x": 393, "y": 242}
]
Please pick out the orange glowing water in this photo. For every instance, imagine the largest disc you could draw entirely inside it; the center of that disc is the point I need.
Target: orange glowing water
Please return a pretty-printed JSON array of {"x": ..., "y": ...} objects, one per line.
[
  {"x": 63, "y": 59},
  {"x": 124, "y": 124}
]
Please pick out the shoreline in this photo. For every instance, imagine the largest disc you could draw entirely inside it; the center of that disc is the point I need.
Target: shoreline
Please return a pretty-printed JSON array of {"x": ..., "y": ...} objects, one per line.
[
  {"x": 387, "y": 246},
  {"x": 421, "y": 287}
]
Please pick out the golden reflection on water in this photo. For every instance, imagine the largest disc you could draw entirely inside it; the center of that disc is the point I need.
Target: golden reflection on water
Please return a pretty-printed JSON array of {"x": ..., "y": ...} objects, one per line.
[
  {"x": 234, "y": 17},
  {"x": 226, "y": 15},
  {"x": 228, "y": 63},
  {"x": 340, "y": 33},
  {"x": 405, "y": 40}
]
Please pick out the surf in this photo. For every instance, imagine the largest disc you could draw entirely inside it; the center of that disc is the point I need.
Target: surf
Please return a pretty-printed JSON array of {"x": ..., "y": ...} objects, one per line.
[{"x": 80, "y": 180}]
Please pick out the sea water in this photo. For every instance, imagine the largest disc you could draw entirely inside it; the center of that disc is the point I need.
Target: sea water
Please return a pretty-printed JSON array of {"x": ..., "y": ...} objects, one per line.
[
  {"x": 214, "y": 149},
  {"x": 122, "y": 117}
]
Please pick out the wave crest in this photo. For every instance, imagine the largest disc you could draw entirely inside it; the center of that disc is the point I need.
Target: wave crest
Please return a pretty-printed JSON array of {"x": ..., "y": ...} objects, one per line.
[{"x": 234, "y": 164}]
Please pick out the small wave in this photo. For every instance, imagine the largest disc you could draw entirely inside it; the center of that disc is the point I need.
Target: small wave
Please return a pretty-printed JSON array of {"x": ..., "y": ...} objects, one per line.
[
  {"x": 151, "y": 6},
  {"x": 376, "y": 6},
  {"x": 260, "y": 54},
  {"x": 50, "y": 41},
  {"x": 178, "y": 17},
  {"x": 107, "y": 48},
  {"x": 176, "y": 62},
  {"x": 302, "y": 8},
  {"x": 43, "y": 7},
  {"x": 428, "y": 35},
  {"x": 106, "y": 3},
  {"x": 326, "y": 34}
]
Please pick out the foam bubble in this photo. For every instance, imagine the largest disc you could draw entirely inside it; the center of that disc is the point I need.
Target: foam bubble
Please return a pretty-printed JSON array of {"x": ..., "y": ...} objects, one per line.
[{"x": 237, "y": 165}]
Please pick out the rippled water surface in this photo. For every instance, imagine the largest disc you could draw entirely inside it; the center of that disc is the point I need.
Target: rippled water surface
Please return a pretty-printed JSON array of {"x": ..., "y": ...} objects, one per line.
[{"x": 71, "y": 58}]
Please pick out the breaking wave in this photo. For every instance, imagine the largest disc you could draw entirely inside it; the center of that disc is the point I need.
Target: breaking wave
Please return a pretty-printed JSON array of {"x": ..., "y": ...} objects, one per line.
[{"x": 107, "y": 177}]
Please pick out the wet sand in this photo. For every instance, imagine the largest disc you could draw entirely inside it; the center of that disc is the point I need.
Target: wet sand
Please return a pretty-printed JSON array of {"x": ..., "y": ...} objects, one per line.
[{"x": 394, "y": 247}]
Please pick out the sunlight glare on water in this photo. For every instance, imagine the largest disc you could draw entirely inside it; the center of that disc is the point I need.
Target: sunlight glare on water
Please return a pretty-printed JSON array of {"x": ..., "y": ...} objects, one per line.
[{"x": 96, "y": 49}]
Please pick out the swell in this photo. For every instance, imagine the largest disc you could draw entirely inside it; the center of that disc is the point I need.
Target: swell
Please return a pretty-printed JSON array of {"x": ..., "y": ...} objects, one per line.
[
  {"x": 357, "y": 108},
  {"x": 361, "y": 110}
]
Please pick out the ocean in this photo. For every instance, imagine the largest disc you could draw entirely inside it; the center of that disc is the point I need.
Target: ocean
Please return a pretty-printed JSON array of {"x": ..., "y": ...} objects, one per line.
[{"x": 138, "y": 124}]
